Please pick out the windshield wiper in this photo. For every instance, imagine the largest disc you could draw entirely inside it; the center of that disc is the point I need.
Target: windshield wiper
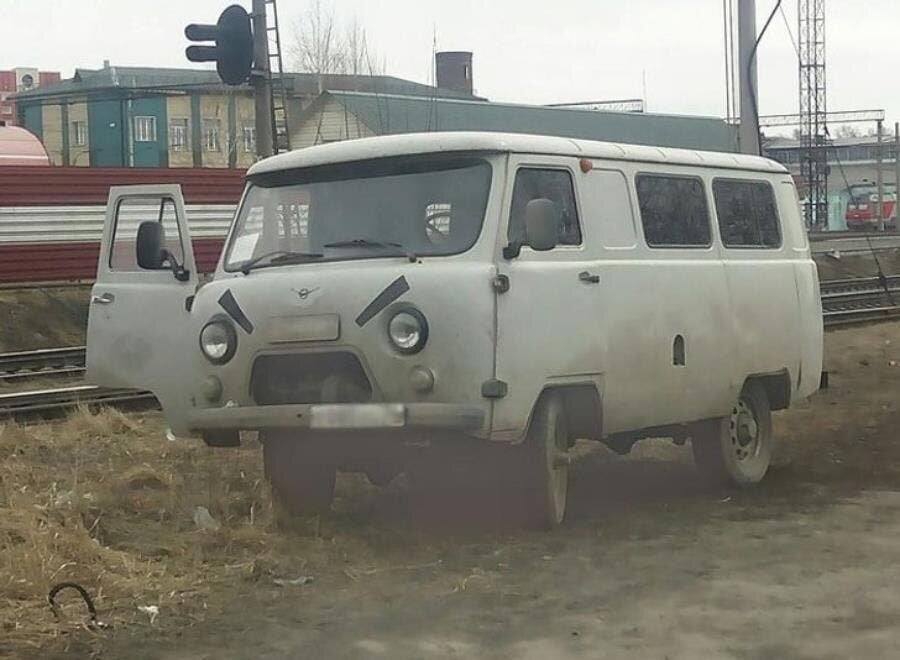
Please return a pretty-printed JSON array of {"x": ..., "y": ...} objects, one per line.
[
  {"x": 278, "y": 257},
  {"x": 365, "y": 242}
]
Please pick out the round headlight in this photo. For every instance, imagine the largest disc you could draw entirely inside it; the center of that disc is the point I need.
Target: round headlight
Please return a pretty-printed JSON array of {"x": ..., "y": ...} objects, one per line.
[
  {"x": 408, "y": 331},
  {"x": 218, "y": 341}
]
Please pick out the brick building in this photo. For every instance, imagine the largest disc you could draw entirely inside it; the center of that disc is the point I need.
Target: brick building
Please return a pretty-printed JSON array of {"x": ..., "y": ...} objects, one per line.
[{"x": 16, "y": 80}]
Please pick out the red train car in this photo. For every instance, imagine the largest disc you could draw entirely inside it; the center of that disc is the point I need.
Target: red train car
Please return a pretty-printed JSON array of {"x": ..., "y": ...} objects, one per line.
[{"x": 862, "y": 210}]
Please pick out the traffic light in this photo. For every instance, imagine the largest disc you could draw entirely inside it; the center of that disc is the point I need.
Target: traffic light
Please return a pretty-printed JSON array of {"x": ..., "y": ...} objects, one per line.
[{"x": 233, "y": 52}]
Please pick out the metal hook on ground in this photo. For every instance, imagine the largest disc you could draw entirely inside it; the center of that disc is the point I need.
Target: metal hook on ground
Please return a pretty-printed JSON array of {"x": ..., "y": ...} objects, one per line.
[{"x": 93, "y": 622}]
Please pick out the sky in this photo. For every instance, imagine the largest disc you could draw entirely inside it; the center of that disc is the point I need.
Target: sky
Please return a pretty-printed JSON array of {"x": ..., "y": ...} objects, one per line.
[{"x": 668, "y": 51}]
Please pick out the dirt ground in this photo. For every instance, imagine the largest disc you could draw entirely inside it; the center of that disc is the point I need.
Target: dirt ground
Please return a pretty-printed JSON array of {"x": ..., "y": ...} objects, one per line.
[{"x": 649, "y": 564}]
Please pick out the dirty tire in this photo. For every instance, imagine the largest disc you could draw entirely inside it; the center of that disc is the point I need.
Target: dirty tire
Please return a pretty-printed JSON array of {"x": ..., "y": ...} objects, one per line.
[
  {"x": 737, "y": 450},
  {"x": 545, "y": 470},
  {"x": 302, "y": 477}
]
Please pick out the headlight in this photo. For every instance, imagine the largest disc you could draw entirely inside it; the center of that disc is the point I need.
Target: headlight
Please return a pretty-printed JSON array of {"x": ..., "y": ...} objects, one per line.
[
  {"x": 218, "y": 341},
  {"x": 408, "y": 330}
]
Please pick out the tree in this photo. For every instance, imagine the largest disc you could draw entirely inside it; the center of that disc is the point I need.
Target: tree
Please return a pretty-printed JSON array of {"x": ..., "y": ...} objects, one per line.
[
  {"x": 320, "y": 45},
  {"x": 847, "y": 131}
]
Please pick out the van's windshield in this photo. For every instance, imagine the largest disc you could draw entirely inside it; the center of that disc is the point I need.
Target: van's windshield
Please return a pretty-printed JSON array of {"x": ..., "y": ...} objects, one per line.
[{"x": 415, "y": 206}]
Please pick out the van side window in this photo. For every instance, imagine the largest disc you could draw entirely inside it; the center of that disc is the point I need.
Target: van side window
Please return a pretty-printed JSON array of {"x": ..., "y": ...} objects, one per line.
[
  {"x": 673, "y": 211},
  {"x": 607, "y": 204},
  {"x": 130, "y": 213},
  {"x": 555, "y": 185},
  {"x": 748, "y": 215}
]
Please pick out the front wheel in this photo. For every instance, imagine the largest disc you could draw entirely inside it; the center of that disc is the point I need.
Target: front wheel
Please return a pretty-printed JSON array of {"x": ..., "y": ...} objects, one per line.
[
  {"x": 737, "y": 450},
  {"x": 546, "y": 462},
  {"x": 301, "y": 474}
]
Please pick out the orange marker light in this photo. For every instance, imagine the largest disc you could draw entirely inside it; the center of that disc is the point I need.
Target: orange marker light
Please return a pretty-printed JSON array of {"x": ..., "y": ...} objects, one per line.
[{"x": 586, "y": 165}]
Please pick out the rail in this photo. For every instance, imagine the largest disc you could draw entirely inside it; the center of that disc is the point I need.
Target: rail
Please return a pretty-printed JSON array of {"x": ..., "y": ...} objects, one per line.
[
  {"x": 860, "y": 300},
  {"x": 50, "y": 402},
  {"x": 23, "y": 365}
]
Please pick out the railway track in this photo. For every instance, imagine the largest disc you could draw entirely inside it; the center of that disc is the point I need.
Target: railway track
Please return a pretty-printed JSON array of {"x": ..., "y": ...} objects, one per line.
[
  {"x": 24, "y": 365},
  {"x": 844, "y": 302},
  {"x": 860, "y": 300},
  {"x": 57, "y": 401}
]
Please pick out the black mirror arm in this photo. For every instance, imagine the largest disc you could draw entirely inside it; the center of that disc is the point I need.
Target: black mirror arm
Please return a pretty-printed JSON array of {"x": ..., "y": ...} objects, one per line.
[
  {"x": 180, "y": 272},
  {"x": 512, "y": 250}
]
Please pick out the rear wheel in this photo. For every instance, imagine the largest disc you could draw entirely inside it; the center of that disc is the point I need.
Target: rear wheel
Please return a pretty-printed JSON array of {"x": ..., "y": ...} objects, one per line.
[
  {"x": 736, "y": 450},
  {"x": 301, "y": 474}
]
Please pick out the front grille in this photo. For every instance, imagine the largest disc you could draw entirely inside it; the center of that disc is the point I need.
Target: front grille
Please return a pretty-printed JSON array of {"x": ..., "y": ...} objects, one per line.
[{"x": 309, "y": 378}]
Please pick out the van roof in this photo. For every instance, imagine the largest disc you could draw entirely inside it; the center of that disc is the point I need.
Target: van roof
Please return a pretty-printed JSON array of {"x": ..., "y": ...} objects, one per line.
[{"x": 468, "y": 141}]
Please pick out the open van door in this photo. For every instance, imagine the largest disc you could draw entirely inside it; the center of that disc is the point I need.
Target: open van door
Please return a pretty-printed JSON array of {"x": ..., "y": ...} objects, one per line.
[{"x": 139, "y": 325}]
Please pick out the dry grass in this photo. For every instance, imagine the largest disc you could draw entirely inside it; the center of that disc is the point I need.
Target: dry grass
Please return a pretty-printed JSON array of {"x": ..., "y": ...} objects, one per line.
[{"x": 105, "y": 500}]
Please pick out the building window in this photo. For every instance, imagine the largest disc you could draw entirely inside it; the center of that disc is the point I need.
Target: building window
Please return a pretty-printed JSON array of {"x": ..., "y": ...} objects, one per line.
[
  {"x": 6, "y": 109},
  {"x": 673, "y": 211},
  {"x": 249, "y": 138},
  {"x": 211, "y": 135},
  {"x": 178, "y": 134},
  {"x": 555, "y": 185},
  {"x": 748, "y": 216},
  {"x": 79, "y": 133},
  {"x": 145, "y": 129}
]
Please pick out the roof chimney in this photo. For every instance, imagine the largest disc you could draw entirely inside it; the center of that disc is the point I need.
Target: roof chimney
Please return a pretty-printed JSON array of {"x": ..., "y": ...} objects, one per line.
[
  {"x": 453, "y": 70},
  {"x": 105, "y": 64}
]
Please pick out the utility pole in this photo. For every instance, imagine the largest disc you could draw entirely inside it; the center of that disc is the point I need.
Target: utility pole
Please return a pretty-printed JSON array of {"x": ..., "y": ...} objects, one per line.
[
  {"x": 259, "y": 78},
  {"x": 879, "y": 177},
  {"x": 749, "y": 94},
  {"x": 896, "y": 213}
]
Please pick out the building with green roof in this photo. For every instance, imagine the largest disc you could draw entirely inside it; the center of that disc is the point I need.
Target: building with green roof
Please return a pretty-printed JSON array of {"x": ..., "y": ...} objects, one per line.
[
  {"x": 156, "y": 117},
  {"x": 340, "y": 115}
]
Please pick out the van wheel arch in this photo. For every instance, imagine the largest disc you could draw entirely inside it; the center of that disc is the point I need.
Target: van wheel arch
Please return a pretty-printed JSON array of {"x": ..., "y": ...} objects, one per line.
[
  {"x": 584, "y": 410},
  {"x": 777, "y": 387}
]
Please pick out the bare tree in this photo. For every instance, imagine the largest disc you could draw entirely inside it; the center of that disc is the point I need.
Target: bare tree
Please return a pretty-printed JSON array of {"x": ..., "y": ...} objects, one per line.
[
  {"x": 316, "y": 47},
  {"x": 319, "y": 45},
  {"x": 847, "y": 131}
]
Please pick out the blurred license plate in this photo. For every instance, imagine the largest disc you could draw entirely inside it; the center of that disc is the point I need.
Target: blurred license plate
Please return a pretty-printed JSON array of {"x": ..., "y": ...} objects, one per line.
[{"x": 357, "y": 416}]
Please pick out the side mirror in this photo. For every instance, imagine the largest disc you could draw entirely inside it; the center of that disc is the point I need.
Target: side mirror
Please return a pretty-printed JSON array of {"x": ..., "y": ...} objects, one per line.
[
  {"x": 542, "y": 221},
  {"x": 151, "y": 255},
  {"x": 150, "y": 240}
]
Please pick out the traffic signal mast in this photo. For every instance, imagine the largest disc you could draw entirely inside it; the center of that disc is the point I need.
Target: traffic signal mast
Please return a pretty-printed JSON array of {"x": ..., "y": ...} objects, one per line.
[{"x": 240, "y": 50}]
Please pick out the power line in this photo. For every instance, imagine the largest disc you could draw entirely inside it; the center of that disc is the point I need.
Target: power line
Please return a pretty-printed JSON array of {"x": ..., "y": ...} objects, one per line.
[{"x": 787, "y": 25}]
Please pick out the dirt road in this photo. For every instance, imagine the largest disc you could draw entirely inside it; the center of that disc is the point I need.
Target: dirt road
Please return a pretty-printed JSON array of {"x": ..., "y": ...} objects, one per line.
[{"x": 648, "y": 564}]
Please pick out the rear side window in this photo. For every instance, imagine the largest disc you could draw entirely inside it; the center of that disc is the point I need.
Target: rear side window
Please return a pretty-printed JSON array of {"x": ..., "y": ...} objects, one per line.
[
  {"x": 555, "y": 185},
  {"x": 673, "y": 211},
  {"x": 748, "y": 215}
]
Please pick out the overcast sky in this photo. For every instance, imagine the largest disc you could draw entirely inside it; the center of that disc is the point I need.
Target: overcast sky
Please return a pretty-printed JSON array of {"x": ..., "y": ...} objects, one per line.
[{"x": 525, "y": 51}]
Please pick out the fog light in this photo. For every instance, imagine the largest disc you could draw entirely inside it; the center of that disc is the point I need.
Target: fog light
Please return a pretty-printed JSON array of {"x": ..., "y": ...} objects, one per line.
[
  {"x": 421, "y": 378},
  {"x": 211, "y": 388}
]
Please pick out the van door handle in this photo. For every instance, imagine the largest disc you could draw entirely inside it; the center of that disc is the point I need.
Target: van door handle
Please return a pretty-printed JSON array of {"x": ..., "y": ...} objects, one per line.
[
  {"x": 587, "y": 277},
  {"x": 103, "y": 299}
]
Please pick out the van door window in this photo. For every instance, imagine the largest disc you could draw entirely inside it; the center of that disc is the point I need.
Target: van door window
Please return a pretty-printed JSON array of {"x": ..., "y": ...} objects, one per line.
[
  {"x": 748, "y": 215},
  {"x": 555, "y": 185},
  {"x": 674, "y": 212},
  {"x": 130, "y": 213}
]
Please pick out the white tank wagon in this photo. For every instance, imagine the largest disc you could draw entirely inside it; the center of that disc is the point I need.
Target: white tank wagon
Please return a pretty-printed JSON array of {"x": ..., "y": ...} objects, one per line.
[{"x": 472, "y": 292}]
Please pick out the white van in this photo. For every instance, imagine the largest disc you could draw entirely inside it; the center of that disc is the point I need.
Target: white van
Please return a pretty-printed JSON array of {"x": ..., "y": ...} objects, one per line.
[{"x": 385, "y": 297}]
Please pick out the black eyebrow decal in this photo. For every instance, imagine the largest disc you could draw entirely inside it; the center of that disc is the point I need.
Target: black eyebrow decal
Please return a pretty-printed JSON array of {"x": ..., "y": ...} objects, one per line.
[
  {"x": 393, "y": 291},
  {"x": 230, "y": 305}
]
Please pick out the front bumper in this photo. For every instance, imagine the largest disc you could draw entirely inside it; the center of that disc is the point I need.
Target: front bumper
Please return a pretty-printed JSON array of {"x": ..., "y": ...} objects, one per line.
[{"x": 341, "y": 417}]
